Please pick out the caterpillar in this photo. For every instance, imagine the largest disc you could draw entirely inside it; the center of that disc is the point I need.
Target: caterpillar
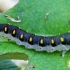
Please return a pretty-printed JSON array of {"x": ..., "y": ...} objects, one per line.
[{"x": 39, "y": 43}]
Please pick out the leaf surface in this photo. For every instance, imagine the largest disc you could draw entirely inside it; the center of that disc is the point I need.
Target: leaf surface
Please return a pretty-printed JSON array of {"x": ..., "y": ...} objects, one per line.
[{"x": 42, "y": 17}]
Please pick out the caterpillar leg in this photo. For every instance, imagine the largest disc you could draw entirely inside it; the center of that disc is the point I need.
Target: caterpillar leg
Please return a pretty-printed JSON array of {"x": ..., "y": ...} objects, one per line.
[{"x": 63, "y": 52}]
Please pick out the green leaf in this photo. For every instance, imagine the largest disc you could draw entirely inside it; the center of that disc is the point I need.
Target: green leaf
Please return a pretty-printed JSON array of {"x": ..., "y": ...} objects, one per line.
[
  {"x": 33, "y": 14},
  {"x": 18, "y": 56}
]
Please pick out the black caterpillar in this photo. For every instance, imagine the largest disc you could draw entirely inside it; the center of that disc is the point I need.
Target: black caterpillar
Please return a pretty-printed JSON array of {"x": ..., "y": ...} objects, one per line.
[{"x": 39, "y": 43}]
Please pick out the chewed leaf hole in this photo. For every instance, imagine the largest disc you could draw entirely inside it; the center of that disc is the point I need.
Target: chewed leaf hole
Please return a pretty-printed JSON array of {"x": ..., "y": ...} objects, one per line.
[{"x": 5, "y": 5}]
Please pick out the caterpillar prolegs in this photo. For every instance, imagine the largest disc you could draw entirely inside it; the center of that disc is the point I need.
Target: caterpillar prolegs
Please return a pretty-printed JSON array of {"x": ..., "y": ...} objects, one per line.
[{"x": 39, "y": 43}]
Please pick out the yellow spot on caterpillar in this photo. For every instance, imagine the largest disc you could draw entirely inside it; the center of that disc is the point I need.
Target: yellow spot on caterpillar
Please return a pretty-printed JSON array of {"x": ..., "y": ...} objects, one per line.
[
  {"x": 5, "y": 29},
  {"x": 30, "y": 39},
  {"x": 14, "y": 32},
  {"x": 41, "y": 41},
  {"x": 52, "y": 41},
  {"x": 62, "y": 39},
  {"x": 21, "y": 36}
]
